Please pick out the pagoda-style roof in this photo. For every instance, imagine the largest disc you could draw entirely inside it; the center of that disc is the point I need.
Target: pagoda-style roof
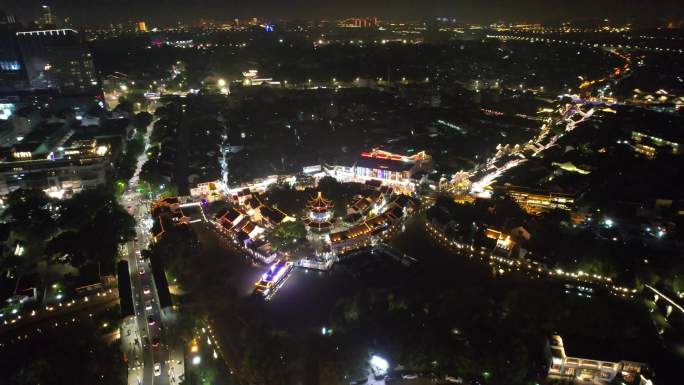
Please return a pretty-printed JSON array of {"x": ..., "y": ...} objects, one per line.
[
  {"x": 319, "y": 226},
  {"x": 319, "y": 204}
]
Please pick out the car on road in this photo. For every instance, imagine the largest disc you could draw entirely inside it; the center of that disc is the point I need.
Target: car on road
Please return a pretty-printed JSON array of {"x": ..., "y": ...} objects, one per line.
[
  {"x": 148, "y": 305},
  {"x": 146, "y": 289},
  {"x": 157, "y": 369},
  {"x": 141, "y": 270},
  {"x": 150, "y": 320},
  {"x": 155, "y": 342}
]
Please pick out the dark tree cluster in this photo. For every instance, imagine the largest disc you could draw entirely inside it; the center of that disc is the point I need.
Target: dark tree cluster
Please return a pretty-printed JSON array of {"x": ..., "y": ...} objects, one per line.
[
  {"x": 80, "y": 231},
  {"x": 71, "y": 354}
]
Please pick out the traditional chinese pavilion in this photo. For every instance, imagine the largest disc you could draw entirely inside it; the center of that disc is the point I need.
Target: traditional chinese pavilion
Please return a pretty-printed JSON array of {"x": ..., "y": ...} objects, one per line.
[{"x": 319, "y": 213}]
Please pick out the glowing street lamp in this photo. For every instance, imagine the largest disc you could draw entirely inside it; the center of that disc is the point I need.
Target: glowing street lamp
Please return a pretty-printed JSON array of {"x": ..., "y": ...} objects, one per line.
[
  {"x": 379, "y": 365},
  {"x": 222, "y": 82}
]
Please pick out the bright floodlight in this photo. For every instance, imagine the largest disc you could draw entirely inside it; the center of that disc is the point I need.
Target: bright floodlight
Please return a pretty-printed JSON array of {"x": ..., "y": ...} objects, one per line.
[
  {"x": 196, "y": 360},
  {"x": 222, "y": 83},
  {"x": 379, "y": 363}
]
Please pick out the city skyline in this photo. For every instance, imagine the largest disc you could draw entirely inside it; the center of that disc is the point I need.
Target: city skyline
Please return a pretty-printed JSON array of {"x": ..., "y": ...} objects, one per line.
[
  {"x": 341, "y": 192},
  {"x": 82, "y": 12}
]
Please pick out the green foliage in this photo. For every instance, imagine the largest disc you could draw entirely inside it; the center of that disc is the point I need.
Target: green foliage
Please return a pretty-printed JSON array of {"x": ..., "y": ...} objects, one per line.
[
  {"x": 219, "y": 205},
  {"x": 432, "y": 346},
  {"x": 92, "y": 225},
  {"x": 153, "y": 152},
  {"x": 286, "y": 234},
  {"x": 31, "y": 217},
  {"x": 178, "y": 248},
  {"x": 151, "y": 173},
  {"x": 119, "y": 187},
  {"x": 141, "y": 120},
  {"x": 125, "y": 105},
  {"x": 155, "y": 182},
  {"x": 352, "y": 312},
  {"x": 336, "y": 192},
  {"x": 169, "y": 190},
  {"x": 396, "y": 303},
  {"x": 162, "y": 129},
  {"x": 262, "y": 362},
  {"x": 68, "y": 355},
  {"x": 126, "y": 167},
  {"x": 287, "y": 199},
  {"x": 29, "y": 211}
]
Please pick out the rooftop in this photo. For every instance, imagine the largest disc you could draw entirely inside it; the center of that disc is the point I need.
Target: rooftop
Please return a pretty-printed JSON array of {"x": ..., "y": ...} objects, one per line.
[
  {"x": 319, "y": 203},
  {"x": 273, "y": 214},
  {"x": 384, "y": 164}
]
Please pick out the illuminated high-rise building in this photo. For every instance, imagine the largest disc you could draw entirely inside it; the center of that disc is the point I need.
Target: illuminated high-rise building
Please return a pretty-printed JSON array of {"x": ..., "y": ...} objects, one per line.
[
  {"x": 366, "y": 22},
  {"x": 5, "y": 18},
  {"x": 57, "y": 59},
  {"x": 12, "y": 71},
  {"x": 47, "y": 18},
  {"x": 141, "y": 26}
]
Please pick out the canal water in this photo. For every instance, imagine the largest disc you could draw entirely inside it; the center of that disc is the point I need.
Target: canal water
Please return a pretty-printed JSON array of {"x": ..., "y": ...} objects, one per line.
[
  {"x": 305, "y": 300},
  {"x": 592, "y": 328}
]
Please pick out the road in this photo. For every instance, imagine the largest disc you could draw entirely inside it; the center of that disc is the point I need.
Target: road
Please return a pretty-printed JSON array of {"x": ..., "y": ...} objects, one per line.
[
  {"x": 145, "y": 338},
  {"x": 571, "y": 115}
]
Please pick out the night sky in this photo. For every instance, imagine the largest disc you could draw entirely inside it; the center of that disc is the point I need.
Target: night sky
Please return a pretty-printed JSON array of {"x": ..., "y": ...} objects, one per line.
[{"x": 169, "y": 11}]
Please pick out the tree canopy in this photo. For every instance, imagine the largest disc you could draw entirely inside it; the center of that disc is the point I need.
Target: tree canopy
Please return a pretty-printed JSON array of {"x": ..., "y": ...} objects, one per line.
[
  {"x": 93, "y": 225},
  {"x": 284, "y": 236},
  {"x": 87, "y": 228},
  {"x": 141, "y": 120},
  {"x": 73, "y": 354},
  {"x": 29, "y": 211}
]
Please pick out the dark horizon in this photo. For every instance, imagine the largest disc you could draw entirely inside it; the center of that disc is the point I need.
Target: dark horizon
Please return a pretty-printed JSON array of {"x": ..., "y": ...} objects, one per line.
[{"x": 84, "y": 12}]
